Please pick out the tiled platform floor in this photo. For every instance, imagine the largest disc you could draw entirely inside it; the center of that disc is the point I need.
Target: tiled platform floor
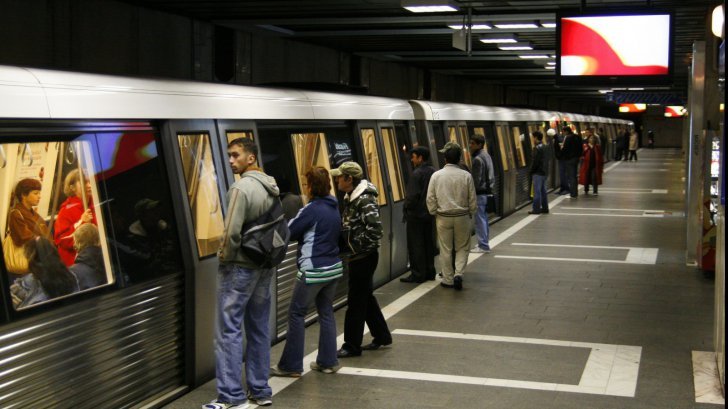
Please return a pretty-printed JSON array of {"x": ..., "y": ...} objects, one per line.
[{"x": 591, "y": 306}]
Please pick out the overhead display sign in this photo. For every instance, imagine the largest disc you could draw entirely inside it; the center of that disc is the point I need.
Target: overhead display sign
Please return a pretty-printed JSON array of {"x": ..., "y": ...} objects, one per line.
[{"x": 660, "y": 98}]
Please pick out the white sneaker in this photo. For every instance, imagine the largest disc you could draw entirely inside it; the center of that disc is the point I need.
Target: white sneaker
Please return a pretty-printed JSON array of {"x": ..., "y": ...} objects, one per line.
[
  {"x": 479, "y": 250},
  {"x": 216, "y": 404}
]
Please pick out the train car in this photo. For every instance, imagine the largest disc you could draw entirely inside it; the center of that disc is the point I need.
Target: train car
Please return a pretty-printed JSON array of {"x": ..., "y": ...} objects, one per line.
[{"x": 145, "y": 160}]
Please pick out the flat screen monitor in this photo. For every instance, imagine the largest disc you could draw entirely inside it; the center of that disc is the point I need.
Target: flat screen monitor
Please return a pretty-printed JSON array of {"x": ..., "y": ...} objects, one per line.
[{"x": 625, "y": 48}]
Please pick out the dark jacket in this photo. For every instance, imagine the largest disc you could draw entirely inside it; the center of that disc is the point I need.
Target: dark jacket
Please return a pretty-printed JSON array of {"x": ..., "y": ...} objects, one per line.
[
  {"x": 316, "y": 228},
  {"x": 540, "y": 162},
  {"x": 361, "y": 224},
  {"x": 415, "y": 206},
  {"x": 482, "y": 172},
  {"x": 89, "y": 268},
  {"x": 571, "y": 149}
]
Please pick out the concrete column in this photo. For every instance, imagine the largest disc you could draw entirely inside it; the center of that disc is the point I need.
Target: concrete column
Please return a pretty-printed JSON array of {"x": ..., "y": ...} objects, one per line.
[{"x": 695, "y": 154}]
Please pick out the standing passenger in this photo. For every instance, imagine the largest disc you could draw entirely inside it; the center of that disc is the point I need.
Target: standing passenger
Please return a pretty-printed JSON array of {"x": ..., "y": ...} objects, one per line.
[
  {"x": 451, "y": 199},
  {"x": 633, "y": 145},
  {"x": 570, "y": 152},
  {"x": 563, "y": 179},
  {"x": 420, "y": 240},
  {"x": 361, "y": 232},
  {"x": 484, "y": 180},
  {"x": 591, "y": 168},
  {"x": 243, "y": 289},
  {"x": 539, "y": 174},
  {"x": 316, "y": 228}
]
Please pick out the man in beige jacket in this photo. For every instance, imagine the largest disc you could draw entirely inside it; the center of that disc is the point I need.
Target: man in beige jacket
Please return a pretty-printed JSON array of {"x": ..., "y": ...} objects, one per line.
[{"x": 451, "y": 199}]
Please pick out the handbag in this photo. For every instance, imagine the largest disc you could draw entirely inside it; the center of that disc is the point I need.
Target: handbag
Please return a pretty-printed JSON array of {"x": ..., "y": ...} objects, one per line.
[{"x": 15, "y": 261}]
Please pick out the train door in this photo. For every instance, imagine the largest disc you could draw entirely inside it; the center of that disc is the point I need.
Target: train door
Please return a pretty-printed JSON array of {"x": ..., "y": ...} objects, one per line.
[
  {"x": 463, "y": 139},
  {"x": 509, "y": 172},
  {"x": 194, "y": 148},
  {"x": 374, "y": 167},
  {"x": 439, "y": 138},
  {"x": 395, "y": 164}
]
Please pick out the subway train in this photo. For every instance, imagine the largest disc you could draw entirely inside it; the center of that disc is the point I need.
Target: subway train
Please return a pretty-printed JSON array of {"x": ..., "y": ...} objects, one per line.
[{"x": 146, "y": 158}]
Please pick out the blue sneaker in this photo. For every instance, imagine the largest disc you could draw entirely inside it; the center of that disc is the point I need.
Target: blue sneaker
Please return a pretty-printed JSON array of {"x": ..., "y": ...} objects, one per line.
[{"x": 216, "y": 404}]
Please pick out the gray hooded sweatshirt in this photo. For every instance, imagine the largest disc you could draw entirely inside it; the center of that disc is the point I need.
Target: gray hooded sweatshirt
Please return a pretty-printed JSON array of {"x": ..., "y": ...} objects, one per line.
[{"x": 248, "y": 198}]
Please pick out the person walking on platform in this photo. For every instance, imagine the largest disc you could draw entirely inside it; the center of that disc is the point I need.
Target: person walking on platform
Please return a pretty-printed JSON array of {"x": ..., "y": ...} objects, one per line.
[
  {"x": 539, "y": 174},
  {"x": 316, "y": 228},
  {"x": 592, "y": 166},
  {"x": 243, "y": 293},
  {"x": 633, "y": 145},
  {"x": 483, "y": 179},
  {"x": 451, "y": 199},
  {"x": 360, "y": 234},
  {"x": 570, "y": 151},
  {"x": 622, "y": 144},
  {"x": 420, "y": 239}
]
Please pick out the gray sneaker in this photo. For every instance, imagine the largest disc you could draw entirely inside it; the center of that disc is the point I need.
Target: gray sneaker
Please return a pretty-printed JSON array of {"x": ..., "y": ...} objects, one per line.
[
  {"x": 259, "y": 401},
  {"x": 332, "y": 369}
]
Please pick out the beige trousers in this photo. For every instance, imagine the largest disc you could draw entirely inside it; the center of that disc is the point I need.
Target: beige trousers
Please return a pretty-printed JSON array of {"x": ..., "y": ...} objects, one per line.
[{"x": 453, "y": 232}]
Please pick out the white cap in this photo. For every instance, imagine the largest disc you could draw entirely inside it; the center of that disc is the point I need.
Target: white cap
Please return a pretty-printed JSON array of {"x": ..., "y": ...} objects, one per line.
[{"x": 551, "y": 132}]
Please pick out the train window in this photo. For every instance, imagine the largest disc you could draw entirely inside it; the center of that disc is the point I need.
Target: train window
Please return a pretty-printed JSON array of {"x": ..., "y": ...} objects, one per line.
[
  {"x": 203, "y": 194},
  {"x": 481, "y": 131},
  {"x": 438, "y": 141},
  {"x": 309, "y": 150},
  {"x": 393, "y": 165},
  {"x": 518, "y": 141},
  {"x": 233, "y": 135},
  {"x": 464, "y": 142},
  {"x": 503, "y": 150},
  {"x": 405, "y": 145},
  {"x": 371, "y": 157},
  {"x": 66, "y": 203}
]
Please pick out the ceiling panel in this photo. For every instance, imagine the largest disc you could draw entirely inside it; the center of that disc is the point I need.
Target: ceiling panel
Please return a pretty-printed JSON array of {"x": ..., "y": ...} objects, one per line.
[{"x": 383, "y": 30}]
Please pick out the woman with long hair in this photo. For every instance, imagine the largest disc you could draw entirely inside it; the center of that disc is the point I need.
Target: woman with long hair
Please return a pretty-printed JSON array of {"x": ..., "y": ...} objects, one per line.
[{"x": 24, "y": 222}]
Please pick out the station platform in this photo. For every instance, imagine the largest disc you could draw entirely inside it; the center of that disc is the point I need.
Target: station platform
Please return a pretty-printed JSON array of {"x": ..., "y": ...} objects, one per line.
[{"x": 590, "y": 306}]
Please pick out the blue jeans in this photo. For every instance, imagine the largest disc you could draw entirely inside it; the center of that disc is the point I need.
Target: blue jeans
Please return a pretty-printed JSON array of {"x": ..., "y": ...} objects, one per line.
[
  {"x": 481, "y": 222},
  {"x": 540, "y": 198},
  {"x": 303, "y": 295},
  {"x": 243, "y": 299}
]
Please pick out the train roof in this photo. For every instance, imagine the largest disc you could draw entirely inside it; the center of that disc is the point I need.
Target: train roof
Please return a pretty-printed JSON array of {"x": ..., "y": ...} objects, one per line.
[{"x": 39, "y": 93}]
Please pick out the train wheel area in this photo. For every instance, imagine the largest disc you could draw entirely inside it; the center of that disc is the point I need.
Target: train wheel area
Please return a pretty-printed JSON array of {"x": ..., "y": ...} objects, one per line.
[{"x": 590, "y": 305}]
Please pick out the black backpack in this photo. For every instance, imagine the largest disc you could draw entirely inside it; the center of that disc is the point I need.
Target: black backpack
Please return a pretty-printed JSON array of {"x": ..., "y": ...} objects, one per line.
[{"x": 265, "y": 240}]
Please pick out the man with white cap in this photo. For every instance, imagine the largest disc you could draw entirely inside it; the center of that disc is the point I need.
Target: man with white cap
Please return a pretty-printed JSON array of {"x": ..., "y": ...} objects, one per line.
[{"x": 451, "y": 199}]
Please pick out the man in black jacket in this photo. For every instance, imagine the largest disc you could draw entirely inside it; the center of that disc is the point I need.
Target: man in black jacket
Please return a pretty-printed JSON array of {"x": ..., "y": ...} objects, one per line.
[
  {"x": 570, "y": 151},
  {"x": 420, "y": 239},
  {"x": 539, "y": 174}
]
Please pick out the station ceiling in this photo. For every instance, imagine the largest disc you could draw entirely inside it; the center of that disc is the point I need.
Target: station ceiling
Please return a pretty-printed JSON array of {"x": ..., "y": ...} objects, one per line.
[{"x": 384, "y": 30}]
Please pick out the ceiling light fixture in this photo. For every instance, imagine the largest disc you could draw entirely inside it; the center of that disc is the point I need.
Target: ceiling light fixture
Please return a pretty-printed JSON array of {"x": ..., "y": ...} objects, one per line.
[
  {"x": 548, "y": 24},
  {"x": 519, "y": 24},
  {"x": 551, "y": 62},
  {"x": 718, "y": 22},
  {"x": 498, "y": 38},
  {"x": 515, "y": 46},
  {"x": 429, "y": 6},
  {"x": 550, "y": 67},
  {"x": 533, "y": 57},
  {"x": 478, "y": 26}
]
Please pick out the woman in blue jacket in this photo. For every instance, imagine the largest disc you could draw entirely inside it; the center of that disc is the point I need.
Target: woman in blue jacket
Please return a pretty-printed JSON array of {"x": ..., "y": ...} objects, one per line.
[{"x": 316, "y": 227}]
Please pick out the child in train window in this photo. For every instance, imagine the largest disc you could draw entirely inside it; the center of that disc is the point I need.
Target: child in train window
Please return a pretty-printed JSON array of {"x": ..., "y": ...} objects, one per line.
[{"x": 73, "y": 213}]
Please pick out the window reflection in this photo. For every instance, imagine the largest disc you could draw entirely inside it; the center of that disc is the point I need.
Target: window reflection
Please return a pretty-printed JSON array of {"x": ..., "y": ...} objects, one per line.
[
  {"x": 202, "y": 191},
  {"x": 54, "y": 242},
  {"x": 465, "y": 144},
  {"x": 518, "y": 144},
  {"x": 393, "y": 165},
  {"x": 309, "y": 150},
  {"x": 371, "y": 157},
  {"x": 503, "y": 149}
]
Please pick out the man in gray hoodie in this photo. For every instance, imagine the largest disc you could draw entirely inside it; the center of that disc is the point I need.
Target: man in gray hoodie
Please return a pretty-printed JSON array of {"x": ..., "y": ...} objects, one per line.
[{"x": 243, "y": 289}]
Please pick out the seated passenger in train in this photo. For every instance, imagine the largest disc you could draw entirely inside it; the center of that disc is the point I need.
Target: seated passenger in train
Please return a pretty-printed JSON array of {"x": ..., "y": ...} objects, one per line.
[
  {"x": 24, "y": 224},
  {"x": 89, "y": 264},
  {"x": 73, "y": 213},
  {"x": 49, "y": 278}
]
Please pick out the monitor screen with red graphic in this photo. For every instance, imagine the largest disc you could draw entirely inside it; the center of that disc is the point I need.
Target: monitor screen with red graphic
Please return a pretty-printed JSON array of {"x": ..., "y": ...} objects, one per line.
[{"x": 613, "y": 49}]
